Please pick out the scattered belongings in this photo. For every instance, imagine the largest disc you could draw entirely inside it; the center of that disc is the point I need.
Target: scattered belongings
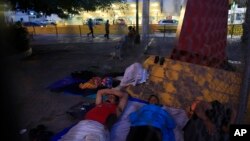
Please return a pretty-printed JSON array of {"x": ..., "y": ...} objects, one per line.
[{"x": 85, "y": 82}]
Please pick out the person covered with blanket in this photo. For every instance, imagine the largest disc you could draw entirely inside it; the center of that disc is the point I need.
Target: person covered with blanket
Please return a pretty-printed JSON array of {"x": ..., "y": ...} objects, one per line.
[
  {"x": 99, "y": 120},
  {"x": 151, "y": 123}
]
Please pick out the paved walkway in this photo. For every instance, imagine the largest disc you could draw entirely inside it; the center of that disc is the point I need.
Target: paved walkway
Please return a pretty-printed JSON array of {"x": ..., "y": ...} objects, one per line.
[{"x": 53, "y": 39}]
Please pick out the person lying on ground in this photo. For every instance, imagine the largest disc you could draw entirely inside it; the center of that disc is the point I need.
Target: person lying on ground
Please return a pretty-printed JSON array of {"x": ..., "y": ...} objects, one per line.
[
  {"x": 151, "y": 123},
  {"x": 121, "y": 128},
  {"x": 209, "y": 121},
  {"x": 99, "y": 120}
]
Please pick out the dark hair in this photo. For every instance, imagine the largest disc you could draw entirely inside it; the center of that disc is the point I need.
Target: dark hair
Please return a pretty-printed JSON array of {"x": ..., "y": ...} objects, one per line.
[
  {"x": 130, "y": 28},
  {"x": 111, "y": 119},
  {"x": 144, "y": 133},
  {"x": 151, "y": 96}
]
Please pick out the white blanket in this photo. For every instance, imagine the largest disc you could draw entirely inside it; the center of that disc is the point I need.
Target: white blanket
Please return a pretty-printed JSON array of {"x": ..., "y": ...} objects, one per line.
[
  {"x": 86, "y": 130},
  {"x": 134, "y": 74}
]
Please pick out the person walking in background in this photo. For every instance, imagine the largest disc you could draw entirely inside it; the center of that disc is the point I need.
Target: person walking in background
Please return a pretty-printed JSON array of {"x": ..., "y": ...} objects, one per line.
[
  {"x": 91, "y": 25},
  {"x": 131, "y": 36},
  {"x": 107, "y": 29}
]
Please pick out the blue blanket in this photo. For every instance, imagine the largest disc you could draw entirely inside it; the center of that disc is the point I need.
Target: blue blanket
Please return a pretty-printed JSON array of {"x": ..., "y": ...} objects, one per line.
[{"x": 70, "y": 85}]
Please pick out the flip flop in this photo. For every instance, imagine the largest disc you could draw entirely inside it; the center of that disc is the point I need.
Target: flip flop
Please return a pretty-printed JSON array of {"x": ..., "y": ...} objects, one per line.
[
  {"x": 156, "y": 60},
  {"x": 162, "y": 60}
]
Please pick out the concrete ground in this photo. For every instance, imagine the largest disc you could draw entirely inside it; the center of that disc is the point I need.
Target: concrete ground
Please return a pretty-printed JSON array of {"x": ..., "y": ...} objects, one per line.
[{"x": 54, "y": 58}]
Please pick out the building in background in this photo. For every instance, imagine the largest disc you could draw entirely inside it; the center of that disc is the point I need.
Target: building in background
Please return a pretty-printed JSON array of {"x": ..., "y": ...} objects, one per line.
[
  {"x": 121, "y": 13},
  {"x": 127, "y": 12},
  {"x": 236, "y": 15},
  {"x": 159, "y": 9}
]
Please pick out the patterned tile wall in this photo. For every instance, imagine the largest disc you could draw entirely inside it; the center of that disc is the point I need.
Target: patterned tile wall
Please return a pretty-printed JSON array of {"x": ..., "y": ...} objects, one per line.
[{"x": 179, "y": 83}]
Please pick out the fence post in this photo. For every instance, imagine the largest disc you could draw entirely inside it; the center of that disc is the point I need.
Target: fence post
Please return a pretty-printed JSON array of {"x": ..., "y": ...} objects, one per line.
[
  {"x": 56, "y": 31},
  {"x": 232, "y": 31},
  {"x": 80, "y": 30},
  {"x": 34, "y": 30},
  {"x": 164, "y": 30}
]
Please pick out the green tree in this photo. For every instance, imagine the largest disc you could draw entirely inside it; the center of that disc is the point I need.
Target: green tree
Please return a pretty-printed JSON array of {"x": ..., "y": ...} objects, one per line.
[{"x": 63, "y": 8}]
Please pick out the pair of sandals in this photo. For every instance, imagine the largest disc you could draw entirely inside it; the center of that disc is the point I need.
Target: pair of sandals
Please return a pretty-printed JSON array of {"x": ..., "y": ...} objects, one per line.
[{"x": 157, "y": 59}]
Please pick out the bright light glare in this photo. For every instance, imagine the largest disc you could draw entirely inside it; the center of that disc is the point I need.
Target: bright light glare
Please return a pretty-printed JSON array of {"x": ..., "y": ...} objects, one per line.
[
  {"x": 154, "y": 4},
  {"x": 132, "y": 5}
]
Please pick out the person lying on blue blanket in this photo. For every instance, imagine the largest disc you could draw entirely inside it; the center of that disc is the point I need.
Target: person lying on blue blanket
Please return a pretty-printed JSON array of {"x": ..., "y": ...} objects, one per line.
[
  {"x": 99, "y": 120},
  {"x": 151, "y": 123},
  {"x": 121, "y": 128}
]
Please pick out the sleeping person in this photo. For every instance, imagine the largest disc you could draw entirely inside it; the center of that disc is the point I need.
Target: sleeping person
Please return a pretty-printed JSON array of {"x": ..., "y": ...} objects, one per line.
[
  {"x": 149, "y": 121},
  {"x": 99, "y": 120}
]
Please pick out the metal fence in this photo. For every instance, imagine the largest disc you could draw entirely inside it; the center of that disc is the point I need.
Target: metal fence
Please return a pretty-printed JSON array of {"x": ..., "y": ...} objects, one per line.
[{"x": 233, "y": 30}]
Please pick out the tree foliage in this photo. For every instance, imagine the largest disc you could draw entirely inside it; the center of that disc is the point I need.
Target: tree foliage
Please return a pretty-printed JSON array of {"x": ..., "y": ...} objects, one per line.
[{"x": 62, "y": 7}]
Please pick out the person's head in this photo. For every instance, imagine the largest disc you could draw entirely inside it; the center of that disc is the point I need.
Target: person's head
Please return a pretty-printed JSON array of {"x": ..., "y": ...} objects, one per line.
[
  {"x": 112, "y": 99},
  {"x": 107, "y": 21},
  {"x": 153, "y": 99},
  {"x": 130, "y": 28}
]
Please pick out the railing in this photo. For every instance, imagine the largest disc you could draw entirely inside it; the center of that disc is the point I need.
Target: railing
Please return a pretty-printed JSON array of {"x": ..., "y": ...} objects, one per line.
[{"x": 115, "y": 29}]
